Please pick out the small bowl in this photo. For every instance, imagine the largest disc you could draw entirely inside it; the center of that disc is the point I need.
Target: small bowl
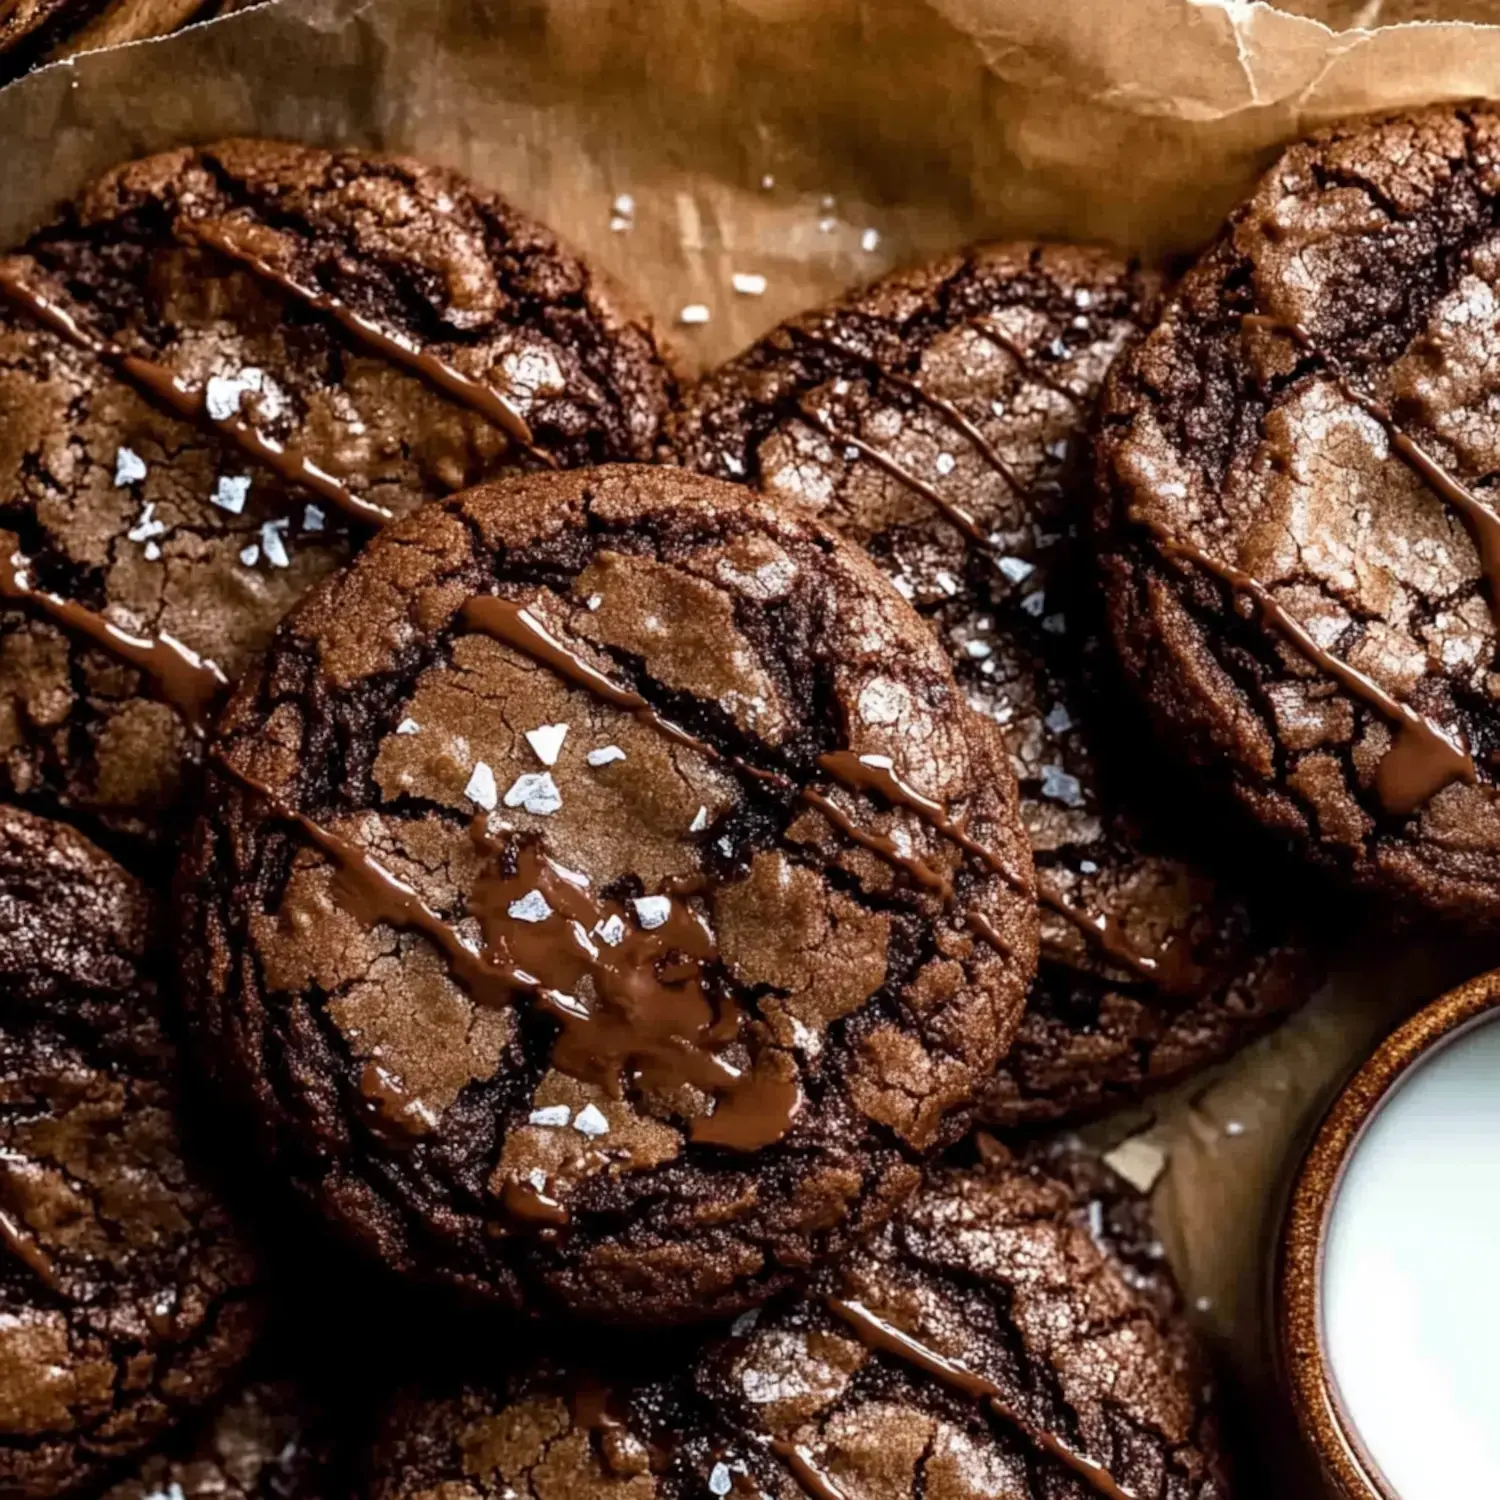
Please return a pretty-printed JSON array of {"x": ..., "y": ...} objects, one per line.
[{"x": 1325, "y": 1424}]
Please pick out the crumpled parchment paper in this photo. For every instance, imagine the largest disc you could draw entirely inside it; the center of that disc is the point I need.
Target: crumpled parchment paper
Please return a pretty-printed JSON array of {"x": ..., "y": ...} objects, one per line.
[{"x": 814, "y": 143}]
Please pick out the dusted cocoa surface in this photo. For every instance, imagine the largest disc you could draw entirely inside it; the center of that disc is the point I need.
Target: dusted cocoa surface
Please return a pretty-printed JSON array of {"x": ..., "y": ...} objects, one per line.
[
  {"x": 1296, "y": 488},
  {"x": 1043, "y": 1289},
  {"x": 781, "y": 992},
  {"x": 126, "y": 1293},
  {"x": 169, "y": 526},
  {"x": 938, "y": 418}
]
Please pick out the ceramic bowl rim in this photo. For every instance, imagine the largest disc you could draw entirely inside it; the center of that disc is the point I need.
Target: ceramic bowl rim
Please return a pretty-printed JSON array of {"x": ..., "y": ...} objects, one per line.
[{"x": 1312, "y": 1389}]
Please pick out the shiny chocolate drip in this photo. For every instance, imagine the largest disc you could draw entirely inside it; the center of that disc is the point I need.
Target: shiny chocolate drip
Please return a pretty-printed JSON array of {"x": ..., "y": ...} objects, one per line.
[
  {"x": 647, "y": 1018},
  {"x": 371, "y": 894},
  {"x": 884, "y": 1337},
  {"x": 956, "y": 515},
  {"x": 1481, "y": 519},
  {"x": 1421, "y": 761},
  {"x": 24, "y": 1246},
  {"x": 227, "y": 239},
  {"x": 813, "y": 1480},
  {"x": 519, "y": 628},
  {"x": 1167, "y": 969},
  {"x": 1029, "y": 366},
  {"x": 875, "y": 773},
  {"x": 191, "y": 405},
  {"x": 533, "y": 1205},
  {"x": 948, "y": 410},
  {"x": 180, "y": 677}
]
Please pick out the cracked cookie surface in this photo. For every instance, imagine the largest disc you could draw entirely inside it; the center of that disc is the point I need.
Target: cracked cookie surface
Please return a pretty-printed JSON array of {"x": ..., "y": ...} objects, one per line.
[
  {"x": 1298, "y": 507},
  {"x": 938, "y": 419},
  {"x": 268, "y": 1441},
  {"x": 127, "y": 1295},
  {"x": 715, "y": 910},
  {"x": 218, "y": 370},
  {"x": 1014, "y": 1332}
]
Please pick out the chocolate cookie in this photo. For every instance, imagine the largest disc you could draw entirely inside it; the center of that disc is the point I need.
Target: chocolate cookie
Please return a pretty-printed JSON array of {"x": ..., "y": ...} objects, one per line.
[
  {"x": 127, "y": 1294},
  {"x": 607, "y": 896},
  {"x": 33, "y": 32},
  {"x": 269, "y": 1441},
  {"x": 1010, "y": 1335},
  {"x": 220, "y": 371},
  {"x": 937, "y": 418},
  {"x": 1298, "y": 507}
]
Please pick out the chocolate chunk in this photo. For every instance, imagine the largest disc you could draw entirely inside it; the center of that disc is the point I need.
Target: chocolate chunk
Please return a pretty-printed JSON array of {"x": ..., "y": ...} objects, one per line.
[
  {"x": 605, "y": 896},
  {"x": 221, "y": 370},
  {"x": 1008, "y": 1335},
  {"x": 1298, "y": 511},
  {"x": 938, "y": 418},
  {"x": 128, "y": 1297}
]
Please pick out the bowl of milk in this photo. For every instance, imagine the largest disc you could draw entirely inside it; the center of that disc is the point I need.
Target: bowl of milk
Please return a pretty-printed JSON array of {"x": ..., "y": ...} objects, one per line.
[{"x": 1388, "y": 1302}]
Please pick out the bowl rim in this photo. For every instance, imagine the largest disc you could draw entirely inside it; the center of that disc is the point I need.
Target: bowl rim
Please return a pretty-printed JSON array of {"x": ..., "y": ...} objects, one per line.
[{"x": 1314, "y": 1394}]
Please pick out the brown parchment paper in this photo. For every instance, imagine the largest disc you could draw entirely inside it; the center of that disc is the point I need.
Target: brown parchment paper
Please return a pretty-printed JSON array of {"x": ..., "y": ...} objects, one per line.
[{"x": 815, "y": 143}]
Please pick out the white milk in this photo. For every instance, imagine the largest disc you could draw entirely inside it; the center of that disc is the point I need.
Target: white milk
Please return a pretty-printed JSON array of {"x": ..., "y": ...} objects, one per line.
[{"x": 1411, "y": 1276}]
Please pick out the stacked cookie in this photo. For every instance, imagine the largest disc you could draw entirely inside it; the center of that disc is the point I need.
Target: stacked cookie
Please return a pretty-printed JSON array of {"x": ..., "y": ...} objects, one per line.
[{"x": 626, "y": 838}]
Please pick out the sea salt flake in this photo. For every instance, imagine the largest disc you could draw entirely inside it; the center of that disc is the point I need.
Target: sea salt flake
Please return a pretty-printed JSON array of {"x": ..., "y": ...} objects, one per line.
[
  {"x": 624, "y": 206},
  {"x": 407, "y": 726},
  {"x": 250, "y": 555},
  {"x": 1035, "y": 604},
  {"x": 946, "y": 581},
  {"x": 720, "y": 1480},
  {"x": 1234, "y": 1127},
  {"x": 1016, "y": 569},
  {"x": 590, "y": 1121},
  {"x": 553, "y": 1114},
  {"x": 481, "y": 790},
  {"x": 1058, "y": 719},
  {"x": 700, "y": 821},
  {"x": 231, "y": 493},
  {"x": 604, "y": 755},
  {"x": 747, "y": 284},
  {"x": 1061, "y": 787},
  {"x": 946, "y": 463},
  {"x": 537, "y": 792},
  {"x": 652, "y": 911},
  {"x": 1055, "y": 624},
  {"x": 313, "y": 518},
  {"x": 977, "y": 650},
  {"x": 152, "y": 552},
  {"x": 146, "y": 526},
  {"x": 694, "y": 313},
  {"x": 869, "y": 241},
  {"x": 272, "y": 544},
  {"x": 1088, "y": 866},
  {"x": 734, "y": 465},
  {"x": 547, "y": 742},
  {"x": 767, "y": 182},
  {"x": 612, "y": 929},
  {"x": 130, "y": 467},
  {"x": 532, "y": 907}
]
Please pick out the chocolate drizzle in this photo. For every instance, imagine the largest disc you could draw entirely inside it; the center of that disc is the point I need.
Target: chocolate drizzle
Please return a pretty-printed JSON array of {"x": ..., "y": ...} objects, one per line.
[
  {"x": 1167, "y": 969},
  {"x": 875, "y": 773},
  {"x": 878, "y": 1334},
  {"x": 1482, "y": 521},
  {"x": 180, "y": 677},
  {"x": 24, "y": 1246},
  {"x": 227, "y": 239},
  {"x": 644, "y": 1018},
  {"x": 1030, "y": 367},
  {"x": 1422, "y": 759},
  {"x": 956, "y": 515},
  {"x": 158, "y": 382},
  {"x": 812, "y": 1479},
  {"x": 644, "y": 1013}
]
